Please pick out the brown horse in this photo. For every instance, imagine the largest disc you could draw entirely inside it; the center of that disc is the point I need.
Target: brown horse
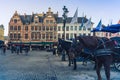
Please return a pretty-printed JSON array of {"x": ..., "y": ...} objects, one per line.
[{"x": 99, "y": 49}]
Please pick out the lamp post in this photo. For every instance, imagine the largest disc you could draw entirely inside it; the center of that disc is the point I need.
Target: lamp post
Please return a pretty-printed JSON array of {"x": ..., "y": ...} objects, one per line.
[{"x": 65, "y": 11}]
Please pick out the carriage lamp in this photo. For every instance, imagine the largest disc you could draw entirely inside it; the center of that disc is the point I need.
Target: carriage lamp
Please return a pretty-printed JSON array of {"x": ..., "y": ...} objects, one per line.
[{"x": 65, "y": 11}]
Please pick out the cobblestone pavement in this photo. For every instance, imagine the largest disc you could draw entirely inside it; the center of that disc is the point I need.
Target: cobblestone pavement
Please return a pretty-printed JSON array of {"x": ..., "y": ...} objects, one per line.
[{"x": 42, "y": 65}]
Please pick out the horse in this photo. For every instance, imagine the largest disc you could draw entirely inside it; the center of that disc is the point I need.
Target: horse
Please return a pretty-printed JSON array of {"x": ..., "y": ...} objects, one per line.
[
  {"x": 64, "y": 46},
  {"x": 99, "y": 49}
]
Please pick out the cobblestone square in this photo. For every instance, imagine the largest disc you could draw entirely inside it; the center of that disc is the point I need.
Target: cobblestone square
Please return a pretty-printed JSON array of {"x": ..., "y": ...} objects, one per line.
[{"x": 42, "y": 65}]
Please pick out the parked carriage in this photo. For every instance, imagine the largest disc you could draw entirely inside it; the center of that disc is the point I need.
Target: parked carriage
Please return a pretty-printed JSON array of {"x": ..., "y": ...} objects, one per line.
[{"x": 100, "y": 50}]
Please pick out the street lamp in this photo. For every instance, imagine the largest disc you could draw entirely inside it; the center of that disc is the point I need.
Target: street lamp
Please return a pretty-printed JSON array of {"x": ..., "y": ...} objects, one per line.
[{"x": 65, "y": 11}]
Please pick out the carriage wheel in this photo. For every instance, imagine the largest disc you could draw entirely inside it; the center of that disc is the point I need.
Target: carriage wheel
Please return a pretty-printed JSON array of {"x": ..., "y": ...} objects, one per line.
[{"x": 117, "y": 66}]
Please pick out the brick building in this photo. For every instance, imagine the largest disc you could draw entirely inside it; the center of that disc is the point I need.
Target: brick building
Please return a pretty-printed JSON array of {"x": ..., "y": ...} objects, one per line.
[{"x": 33, "y": 29}]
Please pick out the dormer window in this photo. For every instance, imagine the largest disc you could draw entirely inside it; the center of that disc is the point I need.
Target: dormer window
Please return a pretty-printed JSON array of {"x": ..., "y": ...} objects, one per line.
[{"x": 15, "y": 20}]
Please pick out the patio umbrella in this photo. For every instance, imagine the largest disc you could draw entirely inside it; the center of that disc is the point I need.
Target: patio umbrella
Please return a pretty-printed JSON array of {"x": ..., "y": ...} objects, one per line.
[
  {"x": 115, "y": 26},
  {"x": 107, "y": 29}
]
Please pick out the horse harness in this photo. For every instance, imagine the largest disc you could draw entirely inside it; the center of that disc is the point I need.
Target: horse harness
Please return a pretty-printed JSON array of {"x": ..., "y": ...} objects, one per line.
[{"x": 104, "y": 50}]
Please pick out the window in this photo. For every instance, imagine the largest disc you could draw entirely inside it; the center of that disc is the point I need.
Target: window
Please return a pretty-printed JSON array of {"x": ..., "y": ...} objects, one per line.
[
  {"x": 47, "y": 28},
  {"x": 26, "y": 36},
  {"x": 71, "y": 35},
  {"x": 43, "y": 36},
  {"x": 36, "y": 28},
  {"x": 15, "y": 36},
  {"x": 106, "y": 34},
  {"x": 40, "y": 28},
  {"x": 47, "y": 21},
  {"x": 80, "y": 28},
  {"x": 59, "y": 35},
  {"x": 71, "y": 28},
  {"x": 89, "y": 29},
  {"x": 84, "y": 28},
  {"x": 47, "y": 35},
  {"x": 19, "y": 36},
  {"x": 110, "y": 34},
  {"x": 51, "y": 35},
  {"x": 26, "y": 28},
  {"x": 55, "y": 36},
  {"x": 67, "y": 36},
  {"x": 32, "y": 35},
  {"x": 39, "y": 36},
  {"x": 19, "y": 28},
  {"x": 59, "y": 28},
  {"x": 67, "y": 28},
  {"x": 43, "y": 28},
  {"x": 51, "y": 28},
  {"x": 35, "y": 35},
  {"x": 32, "y": 27},
  {"x": 11, "y": 36},
  {"x": 75, "y": 28},
  {"x": 15, "y": 27},
  {"x": 51, "y": 21},
  {"x": 55, "y": 28},
  {"x": 11, "y": 27},
  {"x": 15, "y": 20},
  {"x": 84, "y": 34}
]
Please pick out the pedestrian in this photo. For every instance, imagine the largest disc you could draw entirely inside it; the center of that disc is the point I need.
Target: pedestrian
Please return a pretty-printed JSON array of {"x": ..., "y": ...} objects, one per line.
[
  {"x": 54, "y": 48},
  {"x": 17, "y": 49},
  {"x": 4, "y": 49},
  {"x": 12, "y": 48}
]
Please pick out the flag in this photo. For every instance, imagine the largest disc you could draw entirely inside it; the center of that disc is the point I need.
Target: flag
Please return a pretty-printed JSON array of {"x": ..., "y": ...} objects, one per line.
[
  {"x": 99, "y": 26},
  {"x": 74, "y": 19},
  {"x": 82, "y": 23},
  {"x": 88, "y": 24}
]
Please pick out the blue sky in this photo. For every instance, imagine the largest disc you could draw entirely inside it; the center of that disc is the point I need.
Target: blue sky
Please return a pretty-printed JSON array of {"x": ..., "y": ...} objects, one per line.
[{"x": 107, "y": 10}]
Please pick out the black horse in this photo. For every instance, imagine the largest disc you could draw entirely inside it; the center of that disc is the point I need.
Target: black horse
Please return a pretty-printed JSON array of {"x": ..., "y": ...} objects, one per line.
[
  {"x": 65, "y": 46},
  {"x": 96, "y": 49}
]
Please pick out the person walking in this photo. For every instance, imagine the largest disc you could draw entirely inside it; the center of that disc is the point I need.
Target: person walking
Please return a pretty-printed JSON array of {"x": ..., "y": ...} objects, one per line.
[
  {"x": 3, "y": 49},
  {"x": 17, "y": 49}
]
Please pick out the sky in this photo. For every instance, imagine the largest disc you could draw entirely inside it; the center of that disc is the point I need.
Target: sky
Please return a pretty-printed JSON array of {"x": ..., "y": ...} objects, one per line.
[{"x": 106, "y": 10}]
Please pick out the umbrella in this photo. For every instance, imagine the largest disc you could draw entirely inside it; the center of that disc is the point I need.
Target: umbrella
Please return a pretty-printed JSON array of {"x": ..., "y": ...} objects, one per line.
[
  {"x": 115, "y": 26},
  {"x": 107, "y": 29}
]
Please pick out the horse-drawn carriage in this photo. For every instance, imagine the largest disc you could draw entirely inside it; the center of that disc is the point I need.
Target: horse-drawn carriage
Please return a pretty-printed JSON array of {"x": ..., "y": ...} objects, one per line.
[{"x": 101, "y": 50}]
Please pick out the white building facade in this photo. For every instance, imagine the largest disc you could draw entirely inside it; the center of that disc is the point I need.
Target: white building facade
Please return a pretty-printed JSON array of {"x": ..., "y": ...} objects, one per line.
[{"x": 76, "y": 28}]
